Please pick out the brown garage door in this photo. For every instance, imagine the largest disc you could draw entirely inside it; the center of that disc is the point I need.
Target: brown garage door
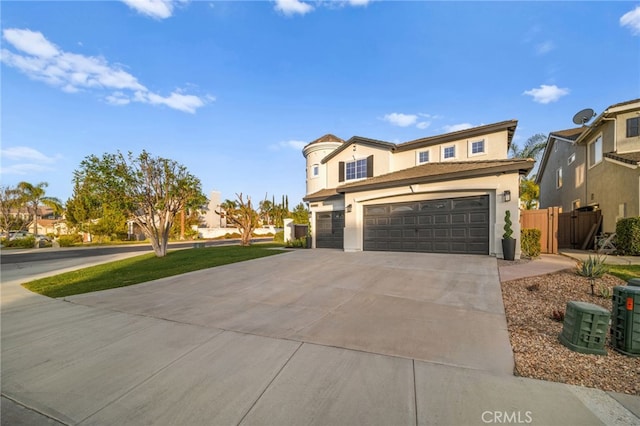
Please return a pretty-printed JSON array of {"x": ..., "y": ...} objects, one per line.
[
  {"x": 330, "y": 229},
  {"x": 452, "y": 225}
]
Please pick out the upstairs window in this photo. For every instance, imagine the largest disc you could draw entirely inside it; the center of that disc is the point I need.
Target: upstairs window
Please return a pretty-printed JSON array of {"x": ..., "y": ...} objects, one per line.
[
  {"x": 477, "y": 148},
  {"x": 571, "y": 159},
  {"x": 595, "y": 151},
  {"x": 315, "y": 170},
  {"x": 633, "y": 127},
  {"x": 449, "y": 152},
  {"x": 356, "y": 169},
  {"x": 559, "y": 178},
  {"x": 423, "y": 157}
]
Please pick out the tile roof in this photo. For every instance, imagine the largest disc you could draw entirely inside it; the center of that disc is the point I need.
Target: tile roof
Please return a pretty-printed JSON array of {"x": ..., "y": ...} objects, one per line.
[
  {"x": 628, "y": 157},
  {"x": 571, "y": 134},
  {"x": 327, "y": 138},
  {"x": 323, "y": 194},
  {"x": 433, "y": 172}
]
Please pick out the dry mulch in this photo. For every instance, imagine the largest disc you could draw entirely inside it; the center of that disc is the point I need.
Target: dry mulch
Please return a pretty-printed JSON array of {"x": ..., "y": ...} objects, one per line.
[{"x": 529, "y": 304}]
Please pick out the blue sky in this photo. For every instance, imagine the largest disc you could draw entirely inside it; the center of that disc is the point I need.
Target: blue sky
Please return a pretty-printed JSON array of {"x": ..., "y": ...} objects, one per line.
[{"x": 233, "y": 90}]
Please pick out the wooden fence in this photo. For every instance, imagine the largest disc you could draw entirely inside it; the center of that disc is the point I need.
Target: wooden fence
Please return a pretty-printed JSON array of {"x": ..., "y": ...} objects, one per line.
[
  {"x": 577, "y": 229},
  {"x": 546, "y": 220}
]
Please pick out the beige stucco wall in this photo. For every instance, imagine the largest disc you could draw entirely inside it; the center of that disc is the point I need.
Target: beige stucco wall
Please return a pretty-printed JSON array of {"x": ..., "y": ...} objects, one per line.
[
  {"x": 314, "y": 154},
  {"x": 381, "y": 161},
  {"x": 495, "y": 146},
  {"x": 625, "y": 144},
  {"x": 490, "y": 185}
]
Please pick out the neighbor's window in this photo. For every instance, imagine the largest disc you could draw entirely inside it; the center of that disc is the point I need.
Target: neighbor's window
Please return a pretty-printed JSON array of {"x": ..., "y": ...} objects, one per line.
[
  {"x": 633, "y": 127},
  {"x": 477, "y": 147},
  {"x": 316, "y": 170},
  {"x": 559, "y": 178},
  {"x": 356, "y": 169},
  {"x": 423, "y": 157},
  {"x": 575, "y": 204},
  {"x": 595, "y": 151},
  {"x": 449, "y": 152},
  {"x": 571, "y": 159}
]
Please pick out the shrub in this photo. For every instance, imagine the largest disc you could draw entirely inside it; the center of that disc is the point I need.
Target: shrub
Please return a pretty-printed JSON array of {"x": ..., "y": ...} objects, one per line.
[
  {"x": 628, "y": 236},
  {"x": 279, "y": 237},
  {"x": 507, "y": 225},
  {"x": 297, "y": 243},
  {"x": 25, "y": 242},
  {"x": 232, "y": 236},
  {"x": 69, "y": 240},
  {"x": 530, "y": 242}
]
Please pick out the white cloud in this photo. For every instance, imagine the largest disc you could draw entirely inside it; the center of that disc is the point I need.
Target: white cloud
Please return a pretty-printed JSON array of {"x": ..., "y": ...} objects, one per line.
[
  {"x": 632, "y": 20},
  {"x": 359, "y": 2},
  {"x": 27, "y": 160},
  {"x": 546, "y": 94},
  {"x": 42, "y": 60},
  {"x": 423, "y": 125},
  {"x": 401, "y": 120},
  {"x": 291, "y": 144},
  {"x": 456, "y": 127},
  {"x": 544, "y": 48},
  {"x": 292, "y": 7},
  {"x": 159, "y": 9}
]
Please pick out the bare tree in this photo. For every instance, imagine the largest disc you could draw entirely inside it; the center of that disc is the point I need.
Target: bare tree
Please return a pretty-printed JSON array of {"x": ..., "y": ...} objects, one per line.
[
  {"x": 244, "y": 216},
  {"x": 10, "y": 203}
]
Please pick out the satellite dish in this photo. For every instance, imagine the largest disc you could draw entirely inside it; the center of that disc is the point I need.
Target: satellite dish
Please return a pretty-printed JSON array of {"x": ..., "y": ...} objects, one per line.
[{"x": 584, "y": 116}]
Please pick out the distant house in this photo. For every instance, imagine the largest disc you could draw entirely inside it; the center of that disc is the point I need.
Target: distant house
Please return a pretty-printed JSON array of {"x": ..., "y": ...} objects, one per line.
[
  {"x": 595, "y": 166},
  {"x": 443, "y": 194}
]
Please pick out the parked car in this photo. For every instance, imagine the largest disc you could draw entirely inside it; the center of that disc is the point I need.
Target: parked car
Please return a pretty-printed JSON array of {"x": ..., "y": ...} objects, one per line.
[{"x": 14, "y": 235}]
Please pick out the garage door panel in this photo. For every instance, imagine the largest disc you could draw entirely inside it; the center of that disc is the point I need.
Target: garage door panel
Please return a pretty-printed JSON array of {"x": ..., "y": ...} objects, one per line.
[{"x": 459, "y": 225}]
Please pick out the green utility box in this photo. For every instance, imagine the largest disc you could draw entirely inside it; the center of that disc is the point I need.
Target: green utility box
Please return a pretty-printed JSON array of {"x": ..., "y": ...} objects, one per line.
[
  {"x": 625, "y": 321},
  {"x": 634, "y": 282},
  {"x": 585, "y": 328}
]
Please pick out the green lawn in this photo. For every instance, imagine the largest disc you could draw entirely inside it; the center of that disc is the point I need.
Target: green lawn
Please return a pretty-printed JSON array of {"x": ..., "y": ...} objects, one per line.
[
  {"x": 146, "y": 267},
  {"x": 626, "y": 272}
]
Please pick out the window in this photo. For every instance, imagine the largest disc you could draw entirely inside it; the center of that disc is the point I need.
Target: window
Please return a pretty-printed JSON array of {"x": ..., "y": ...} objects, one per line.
[
  {"x": 356, "y": 169},
  {"x": 559, "y": 178},
  {"x": 633, "y": 127},
  {"x": 575, "y": 204},
  {"x": 423, "y": 157},
  {"x": 571, "y": 159},
  {"x": 449, "y": 152},
  {"x": 315, "y": 170},
  {"x": 477, "y": 148},
  {"x": 595, "y": 151}
]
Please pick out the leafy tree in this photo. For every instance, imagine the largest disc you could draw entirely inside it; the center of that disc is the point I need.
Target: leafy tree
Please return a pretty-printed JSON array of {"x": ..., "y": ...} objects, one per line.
[
  {"x": 529, "y": 193},
  {"x": 300, "y": 214},
  {"x": 151, "y": 191},
  {"x": 84, "y": 207},
  {"x": 33, "y": 196},
  {"x": 266, "y": 209},
  {"x": 10, "y": 203},
  {"x": 242, "y": 214}
]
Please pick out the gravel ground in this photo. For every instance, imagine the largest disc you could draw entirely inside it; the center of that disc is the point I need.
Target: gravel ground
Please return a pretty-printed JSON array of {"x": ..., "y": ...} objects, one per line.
[{"x": 529, "y": 304}]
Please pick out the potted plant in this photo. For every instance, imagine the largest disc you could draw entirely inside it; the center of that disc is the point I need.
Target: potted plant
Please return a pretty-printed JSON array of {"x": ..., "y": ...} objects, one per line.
[{"x": 508, "y": 243}]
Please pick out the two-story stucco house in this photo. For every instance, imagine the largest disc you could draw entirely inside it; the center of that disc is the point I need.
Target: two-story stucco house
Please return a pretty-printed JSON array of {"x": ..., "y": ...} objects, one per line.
[
  {"x": 442, "y": 194},
  {"x": 595, "y": 166}
]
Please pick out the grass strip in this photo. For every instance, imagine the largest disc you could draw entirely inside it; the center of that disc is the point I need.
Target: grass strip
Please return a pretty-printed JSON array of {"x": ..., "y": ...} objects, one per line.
[
  {"x": 147, "y": 267},
  {"x": 625, "y": 272}
]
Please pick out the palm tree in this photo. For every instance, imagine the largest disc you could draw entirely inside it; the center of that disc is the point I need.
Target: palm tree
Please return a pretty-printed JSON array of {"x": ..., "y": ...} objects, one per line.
[
  {"x": 34, "y": 195},
  {"x": 533, "y": 147}
]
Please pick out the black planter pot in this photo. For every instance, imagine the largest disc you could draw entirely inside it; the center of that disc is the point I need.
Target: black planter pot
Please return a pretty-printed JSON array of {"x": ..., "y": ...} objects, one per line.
[{"x": 509, "y": 249}]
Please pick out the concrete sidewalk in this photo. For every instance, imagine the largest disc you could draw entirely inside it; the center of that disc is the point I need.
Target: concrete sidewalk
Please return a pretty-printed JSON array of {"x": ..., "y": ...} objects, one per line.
[{"x": 90, "y": 362}]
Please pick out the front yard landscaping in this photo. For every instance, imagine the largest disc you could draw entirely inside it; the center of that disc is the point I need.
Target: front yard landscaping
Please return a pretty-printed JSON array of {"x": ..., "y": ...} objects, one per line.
[
  {"x": 146, "y": 267},
  {"x": 530, "y": 305}
]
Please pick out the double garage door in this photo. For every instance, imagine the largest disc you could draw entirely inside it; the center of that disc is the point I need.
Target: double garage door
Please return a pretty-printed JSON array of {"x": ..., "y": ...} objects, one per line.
[{"x": 452, "y": 225}]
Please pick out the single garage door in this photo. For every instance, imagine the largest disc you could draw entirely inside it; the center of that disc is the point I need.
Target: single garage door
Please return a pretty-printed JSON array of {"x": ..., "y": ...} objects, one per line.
[
  {"x": 452, "y": 225},
  {"x": 330, "y": 229}
]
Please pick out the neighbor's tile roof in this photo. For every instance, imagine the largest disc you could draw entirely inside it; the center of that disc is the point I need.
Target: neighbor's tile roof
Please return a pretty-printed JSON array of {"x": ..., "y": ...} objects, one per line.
[
  {"x": 629, "y": 157},
  {"x": 571, "y": 134},
  {"x": 433, "y": 172}
]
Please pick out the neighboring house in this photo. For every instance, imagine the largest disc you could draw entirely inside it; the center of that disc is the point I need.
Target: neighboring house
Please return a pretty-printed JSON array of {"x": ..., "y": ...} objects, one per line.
[
  {"x": 595, "y": 166},
  {"x": 441, "y": 194}
]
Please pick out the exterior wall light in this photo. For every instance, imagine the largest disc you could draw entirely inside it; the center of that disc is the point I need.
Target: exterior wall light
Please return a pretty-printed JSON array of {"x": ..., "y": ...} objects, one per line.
[
  {"x": 507, "y": 196},
  {"x": 349, "y": 208}
]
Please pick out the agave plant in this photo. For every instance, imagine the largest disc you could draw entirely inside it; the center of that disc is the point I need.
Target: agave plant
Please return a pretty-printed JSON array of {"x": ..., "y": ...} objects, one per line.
[{"x": 592, "y": 268}]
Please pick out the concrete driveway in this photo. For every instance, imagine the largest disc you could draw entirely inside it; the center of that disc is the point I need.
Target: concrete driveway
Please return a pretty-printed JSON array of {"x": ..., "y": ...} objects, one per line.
[{"x": 307, "y": 337}]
